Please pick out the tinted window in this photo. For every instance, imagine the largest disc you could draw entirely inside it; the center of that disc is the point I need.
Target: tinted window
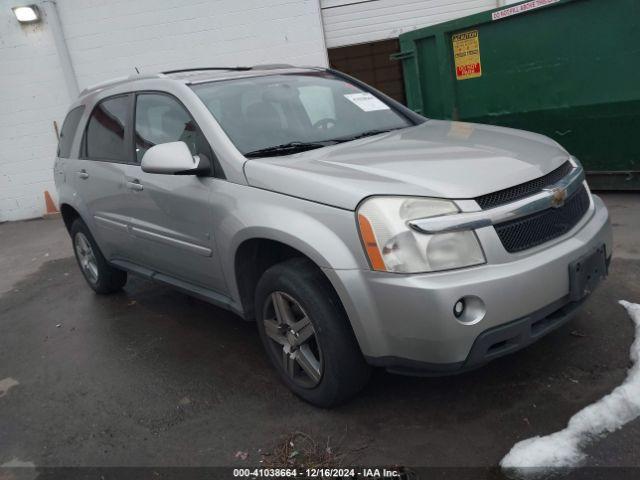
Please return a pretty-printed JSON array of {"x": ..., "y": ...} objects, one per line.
[
  {"x": 106, "y": 131},
  {"x": 68, "y": 131},
  {"x": 162, "y": 119}
]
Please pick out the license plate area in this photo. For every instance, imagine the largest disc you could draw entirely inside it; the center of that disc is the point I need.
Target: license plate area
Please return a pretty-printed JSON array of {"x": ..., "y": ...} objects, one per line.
[{"x": 586, "y": 272}]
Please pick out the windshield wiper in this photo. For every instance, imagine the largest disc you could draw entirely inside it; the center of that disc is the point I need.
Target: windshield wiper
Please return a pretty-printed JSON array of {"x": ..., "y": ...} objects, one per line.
[
  {"x": 368, "y": 133},
  {"x": 285, "y": 149},
  {"x": 295, "y": 147}
]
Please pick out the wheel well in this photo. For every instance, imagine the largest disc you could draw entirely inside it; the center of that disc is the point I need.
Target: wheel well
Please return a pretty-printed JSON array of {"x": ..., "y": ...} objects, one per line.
[
  {"x": 69, "y": 214},
  {"x": 252, "y": 259}
]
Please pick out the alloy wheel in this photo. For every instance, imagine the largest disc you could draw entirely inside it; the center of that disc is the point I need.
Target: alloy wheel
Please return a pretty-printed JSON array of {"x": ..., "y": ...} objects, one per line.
[
  {"x": 293, "y": 339},
  {"x": 86, "y": 257}
]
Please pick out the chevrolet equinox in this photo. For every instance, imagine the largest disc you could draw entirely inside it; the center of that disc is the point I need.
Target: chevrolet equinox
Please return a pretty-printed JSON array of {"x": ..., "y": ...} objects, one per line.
[{"x": 355, "y": 232}]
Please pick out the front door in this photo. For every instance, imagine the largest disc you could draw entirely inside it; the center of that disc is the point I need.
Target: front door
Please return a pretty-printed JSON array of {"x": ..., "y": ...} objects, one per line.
[{"x": 171, "y": 215}]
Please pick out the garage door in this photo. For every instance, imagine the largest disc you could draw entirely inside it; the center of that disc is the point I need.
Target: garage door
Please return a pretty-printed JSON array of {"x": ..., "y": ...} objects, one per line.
[{"x": 370, "y": 63}]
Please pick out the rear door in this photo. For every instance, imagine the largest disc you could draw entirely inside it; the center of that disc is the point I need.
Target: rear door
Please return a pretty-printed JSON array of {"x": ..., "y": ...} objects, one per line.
[
  {"x": 65, "y": 158},
  {"x": 171, "y": 215},
  {"x": 100, "y": 174}
]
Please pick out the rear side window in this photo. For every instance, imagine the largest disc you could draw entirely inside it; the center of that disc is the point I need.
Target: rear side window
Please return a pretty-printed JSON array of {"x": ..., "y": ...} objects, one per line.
[
  {"x": 106, "y": 131},
  {"x": 162, "y": 119},
  {"x": 68, "y": 132}
]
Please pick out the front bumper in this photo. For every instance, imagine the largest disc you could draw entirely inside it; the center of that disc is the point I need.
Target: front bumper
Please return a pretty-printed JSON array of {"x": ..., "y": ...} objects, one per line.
[{"x": 406, "y": 322}]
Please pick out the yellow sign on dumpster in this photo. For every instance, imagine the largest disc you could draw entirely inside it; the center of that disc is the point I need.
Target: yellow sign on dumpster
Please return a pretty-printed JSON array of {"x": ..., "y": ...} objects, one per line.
[{"x": 466, "y": 53}]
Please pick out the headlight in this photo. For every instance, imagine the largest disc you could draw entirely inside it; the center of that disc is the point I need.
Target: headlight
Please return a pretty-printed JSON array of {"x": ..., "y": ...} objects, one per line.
[{"x": 393, "y": 246}]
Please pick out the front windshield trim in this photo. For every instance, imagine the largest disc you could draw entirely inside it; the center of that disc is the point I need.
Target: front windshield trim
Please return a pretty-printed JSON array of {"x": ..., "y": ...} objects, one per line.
[
  {"x": 413, "y": 117},
  {"x": 396, "y": 106},
  {"x": 354, "y": 123}
]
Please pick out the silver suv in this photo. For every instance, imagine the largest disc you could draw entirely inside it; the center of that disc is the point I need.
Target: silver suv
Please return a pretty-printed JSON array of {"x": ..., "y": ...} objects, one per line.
[{"x": 354, "y": 231}]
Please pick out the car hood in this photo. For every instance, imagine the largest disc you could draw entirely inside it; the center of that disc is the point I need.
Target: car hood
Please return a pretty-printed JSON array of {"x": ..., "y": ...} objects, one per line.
[{"x": 435, "y": 159}]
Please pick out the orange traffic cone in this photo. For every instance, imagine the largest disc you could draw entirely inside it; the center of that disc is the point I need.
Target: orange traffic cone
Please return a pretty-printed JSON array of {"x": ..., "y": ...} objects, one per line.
[{"x": 51, "y": 206}]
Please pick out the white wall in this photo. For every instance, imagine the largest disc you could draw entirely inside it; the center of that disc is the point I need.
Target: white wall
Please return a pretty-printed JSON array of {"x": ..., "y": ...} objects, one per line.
[
  {"x": 32, "y": 96},
  {"x": 348, "y": 22},
  {"x": 108, "y": 38}
]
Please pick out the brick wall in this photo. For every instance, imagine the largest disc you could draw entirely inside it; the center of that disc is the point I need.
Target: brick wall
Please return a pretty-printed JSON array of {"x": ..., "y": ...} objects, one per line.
[
  {"x": 108, "y": 38},
  {"x": 32, "y": 96}
]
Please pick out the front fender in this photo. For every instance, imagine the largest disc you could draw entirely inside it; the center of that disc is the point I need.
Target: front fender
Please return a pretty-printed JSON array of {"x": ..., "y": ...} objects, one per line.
[
  {"x": 325, "y": 234},
  {"x": 315, "y": 240}
]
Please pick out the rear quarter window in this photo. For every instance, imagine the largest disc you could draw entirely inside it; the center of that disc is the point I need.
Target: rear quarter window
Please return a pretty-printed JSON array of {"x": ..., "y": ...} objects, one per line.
[{"x": 68, "y": 132}]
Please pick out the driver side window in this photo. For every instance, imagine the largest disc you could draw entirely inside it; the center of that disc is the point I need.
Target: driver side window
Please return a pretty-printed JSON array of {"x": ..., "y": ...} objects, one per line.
[
  {"x": 318, "y": 103},
  {"x": 162, "y": 119}
]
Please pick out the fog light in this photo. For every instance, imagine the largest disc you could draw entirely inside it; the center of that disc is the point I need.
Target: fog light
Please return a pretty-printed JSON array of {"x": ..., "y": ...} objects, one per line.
[
  {"x": 27, "y": 14},
  {"x": 458, "y": 308},
  {"x": 469, "y": 310}
]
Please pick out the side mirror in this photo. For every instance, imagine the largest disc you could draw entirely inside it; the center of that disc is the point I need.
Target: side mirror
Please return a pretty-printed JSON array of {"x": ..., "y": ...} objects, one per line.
[{"x": 174, "y": 158}]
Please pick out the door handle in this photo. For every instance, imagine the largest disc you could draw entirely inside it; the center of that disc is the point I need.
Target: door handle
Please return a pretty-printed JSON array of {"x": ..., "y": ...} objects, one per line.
[
  {"x": 83, "y": 174},
  {"x": 135, "y": 185}
]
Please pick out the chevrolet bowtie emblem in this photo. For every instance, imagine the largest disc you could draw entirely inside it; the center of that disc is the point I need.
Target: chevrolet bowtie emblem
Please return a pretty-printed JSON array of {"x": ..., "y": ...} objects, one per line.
[{"x": 558, "y": 196}]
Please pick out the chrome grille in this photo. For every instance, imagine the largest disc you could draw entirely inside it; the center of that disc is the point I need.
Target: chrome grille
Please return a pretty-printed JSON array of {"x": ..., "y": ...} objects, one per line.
[
  {"x": 531, "y": 187},
  {"x": 540, "y": 227}
]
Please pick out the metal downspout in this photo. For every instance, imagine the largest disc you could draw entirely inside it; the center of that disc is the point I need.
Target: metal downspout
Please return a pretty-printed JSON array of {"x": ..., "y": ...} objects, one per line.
[{"x": 53, "y": 19}]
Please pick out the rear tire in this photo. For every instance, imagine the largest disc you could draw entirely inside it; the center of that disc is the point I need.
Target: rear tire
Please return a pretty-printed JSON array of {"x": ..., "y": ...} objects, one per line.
[
  {"x": 315, "y": 352},
  {"x": 101, "y": 277}
]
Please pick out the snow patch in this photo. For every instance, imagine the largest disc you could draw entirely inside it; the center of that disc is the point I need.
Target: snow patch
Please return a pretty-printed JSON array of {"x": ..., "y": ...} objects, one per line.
[
  {"x": 6, "y": 384},
  {"x": 17, "y": 463},
  {"x": 538, "y": 455},
  {"x": 16, "y": 469}
]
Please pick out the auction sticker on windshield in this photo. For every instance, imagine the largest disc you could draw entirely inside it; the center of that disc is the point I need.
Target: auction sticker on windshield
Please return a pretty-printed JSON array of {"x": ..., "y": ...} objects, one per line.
[
  {"x": 466, "y": 52},
  {"x": 366, "y": 102}
]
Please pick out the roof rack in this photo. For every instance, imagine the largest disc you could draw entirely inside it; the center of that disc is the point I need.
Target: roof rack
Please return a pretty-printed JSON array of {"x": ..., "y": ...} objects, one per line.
[
  {"x": 181, "y": 70},
  {"x": 115, "y": 81},
  {"x": 266, "y": 66},
  {"x": 272, "y": 66},
  {"x": 139, "y": 76}
]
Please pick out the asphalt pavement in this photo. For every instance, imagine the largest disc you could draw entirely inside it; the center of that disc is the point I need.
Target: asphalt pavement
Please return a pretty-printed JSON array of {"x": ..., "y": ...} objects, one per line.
[{"x": 152, "y": 377}]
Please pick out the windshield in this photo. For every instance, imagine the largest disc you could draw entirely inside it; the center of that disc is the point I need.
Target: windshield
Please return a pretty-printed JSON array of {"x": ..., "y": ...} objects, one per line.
[{"x": 286, "y": 113}]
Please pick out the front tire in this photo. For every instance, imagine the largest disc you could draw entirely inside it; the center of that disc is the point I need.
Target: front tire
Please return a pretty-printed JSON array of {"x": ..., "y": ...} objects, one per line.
[
  {"x": 306, "y": 334},
  {"x": 101, "y": 277}
]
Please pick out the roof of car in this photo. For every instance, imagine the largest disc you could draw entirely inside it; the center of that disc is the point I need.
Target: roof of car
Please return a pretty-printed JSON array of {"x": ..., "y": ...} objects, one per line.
[{"x": 191, "y": 76}]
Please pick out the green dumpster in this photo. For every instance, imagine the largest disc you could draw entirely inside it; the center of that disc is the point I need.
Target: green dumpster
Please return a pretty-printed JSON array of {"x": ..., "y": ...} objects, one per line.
[{"x": 569, "y": 69}]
